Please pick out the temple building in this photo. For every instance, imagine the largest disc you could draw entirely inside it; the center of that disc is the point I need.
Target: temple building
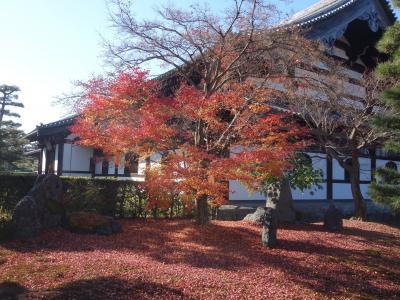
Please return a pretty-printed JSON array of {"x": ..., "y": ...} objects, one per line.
[{"x": 349, "y": 29}]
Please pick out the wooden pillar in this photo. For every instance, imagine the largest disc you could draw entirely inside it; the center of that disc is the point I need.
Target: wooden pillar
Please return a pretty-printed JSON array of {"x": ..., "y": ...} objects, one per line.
[
  {"x": 115, "y": 169},
  {"x": 60, "y": 158},
  {"x": 373, "y": 163},
  {"x": 40, "y": 161},
  {"x": 329, "y": 178},
  {"x": 104, "y": 167}
]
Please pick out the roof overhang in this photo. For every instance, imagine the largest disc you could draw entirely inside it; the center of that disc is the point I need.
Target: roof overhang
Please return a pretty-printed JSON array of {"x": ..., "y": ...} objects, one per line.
[{"x": 328, "y": 19}]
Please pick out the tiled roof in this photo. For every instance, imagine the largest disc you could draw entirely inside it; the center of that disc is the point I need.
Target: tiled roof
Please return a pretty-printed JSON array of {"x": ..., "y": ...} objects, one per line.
[
  {"x": 63, "y": 122},
  {"x": 325, "y": 9}
]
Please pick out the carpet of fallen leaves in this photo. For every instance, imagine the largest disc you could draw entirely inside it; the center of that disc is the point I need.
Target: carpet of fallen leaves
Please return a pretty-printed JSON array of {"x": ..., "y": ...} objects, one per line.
[{"x": 175, "y": 259}]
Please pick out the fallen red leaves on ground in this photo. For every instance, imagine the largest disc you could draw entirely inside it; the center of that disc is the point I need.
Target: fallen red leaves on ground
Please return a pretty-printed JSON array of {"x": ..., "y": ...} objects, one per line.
[{"x": 175, "y": 259}]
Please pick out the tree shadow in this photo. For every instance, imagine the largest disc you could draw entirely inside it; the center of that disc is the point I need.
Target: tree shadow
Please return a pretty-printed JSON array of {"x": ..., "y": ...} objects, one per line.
[
  {"x": 99, "y": 288},
  {"x": 10, "y": 290},
  {"x": 359, "y": 233},
  {"x": 321, "y": 265}
]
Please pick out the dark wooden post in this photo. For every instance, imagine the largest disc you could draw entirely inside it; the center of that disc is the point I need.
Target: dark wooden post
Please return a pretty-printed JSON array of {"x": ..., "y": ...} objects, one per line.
[
  {"x": 329, "y": 178},
  {"x": 60, "y": 158}
]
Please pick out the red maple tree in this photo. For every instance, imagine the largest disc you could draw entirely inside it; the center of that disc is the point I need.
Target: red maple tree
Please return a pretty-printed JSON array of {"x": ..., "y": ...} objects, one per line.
[{"x": 205, "y": 139}]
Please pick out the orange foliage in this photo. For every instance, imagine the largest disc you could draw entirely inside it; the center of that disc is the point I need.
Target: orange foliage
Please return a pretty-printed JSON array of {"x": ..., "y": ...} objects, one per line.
[{"x": 195, "y": 131}]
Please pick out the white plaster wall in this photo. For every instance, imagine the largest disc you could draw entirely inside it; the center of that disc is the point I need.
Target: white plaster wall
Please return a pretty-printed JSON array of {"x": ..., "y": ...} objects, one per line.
[
  {"x": 310, "y": 194},
  {"x": 342, "y": 191},
  {"x": 238, "y": 191},
  {"x": 381, "y": 163},
  {"x": 76, "y": 158},
  {"x": 365, "y": 169},
  {"x": 43, "y": 160},
  {"x": 98, "y": 168},
  {"x": 111, "y": 166},
  {"x": 121, "y": 166},
  {"x": 364, "y": 191},
  {"x": 56, "y": 159},
  {"x": 337, "y": 171}
]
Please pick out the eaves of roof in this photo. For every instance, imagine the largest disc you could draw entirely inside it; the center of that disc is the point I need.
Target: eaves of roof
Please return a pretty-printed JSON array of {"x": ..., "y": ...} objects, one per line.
[{"x": 326, "y": 9}]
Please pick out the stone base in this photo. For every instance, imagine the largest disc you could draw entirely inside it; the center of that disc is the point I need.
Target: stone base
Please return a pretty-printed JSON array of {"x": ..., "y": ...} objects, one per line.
[
  {"x": 309, "y": 210},
  {"x": 233, "y": 212}
]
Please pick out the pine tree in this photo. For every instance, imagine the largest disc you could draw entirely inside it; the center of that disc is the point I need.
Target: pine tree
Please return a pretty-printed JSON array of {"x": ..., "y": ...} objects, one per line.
[
  {"x": 386, "y": 190},
  {"x": 8, "y": 97},
  {"x": 11, "y": 137}
]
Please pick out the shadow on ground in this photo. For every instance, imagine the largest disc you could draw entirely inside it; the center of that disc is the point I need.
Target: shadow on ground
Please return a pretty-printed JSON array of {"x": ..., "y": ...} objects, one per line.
[
  {"x": 310, "y": 257},
  {"x": 97, "y": 288}
]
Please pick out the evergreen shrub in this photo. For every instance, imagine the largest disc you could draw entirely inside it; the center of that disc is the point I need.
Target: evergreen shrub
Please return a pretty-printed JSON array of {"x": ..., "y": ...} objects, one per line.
[{"x": 107, "y": 196}]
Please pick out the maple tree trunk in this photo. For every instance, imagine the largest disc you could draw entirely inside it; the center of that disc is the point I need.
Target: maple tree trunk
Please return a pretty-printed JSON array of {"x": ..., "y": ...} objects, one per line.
[
  {"x": 270, "y": 220},
  {"x": 202, "y": 210},
  {"x": 359, "y": 205}
]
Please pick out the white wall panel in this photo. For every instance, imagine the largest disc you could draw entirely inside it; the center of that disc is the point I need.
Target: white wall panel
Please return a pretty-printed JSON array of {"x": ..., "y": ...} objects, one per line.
[
  {"x": 310, "y": 194},
  {"x": 121, "y": 167},
  {"x": 56, "y": 159},
  {"x": 338, "y": 171},
  {"x": 111, "y": 166},
  {"x": 76, "y": 158},
  {"x": 43, "y": 160},
  {"x": 342, "y": 191},
  {"x": 365, "y": 169},
  {"x": 364, "y": 191},
  {"x": 238, "y": 191},
  {"x": 98, "y": 169},
  {"x": 381, "y": 163},
  {"x": 67, "y": 157}
]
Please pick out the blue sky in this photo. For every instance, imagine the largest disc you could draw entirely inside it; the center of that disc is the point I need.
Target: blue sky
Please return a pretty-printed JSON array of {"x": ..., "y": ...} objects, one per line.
[{"x": 47, "y": 44}]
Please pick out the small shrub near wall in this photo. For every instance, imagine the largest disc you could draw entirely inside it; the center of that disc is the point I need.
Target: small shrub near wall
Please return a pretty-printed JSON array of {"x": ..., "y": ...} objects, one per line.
[{"x": 111, "y": 197}]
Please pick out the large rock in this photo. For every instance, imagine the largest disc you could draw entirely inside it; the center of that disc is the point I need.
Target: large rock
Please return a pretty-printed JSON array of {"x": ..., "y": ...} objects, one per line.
[
  {"x": 257, "y": 217},
  {"x": 286, "y": 212},
  {"x": 333, "y": 219},
  {"x": 233, "y": 212},
  {"x": 34, "y": 212}
]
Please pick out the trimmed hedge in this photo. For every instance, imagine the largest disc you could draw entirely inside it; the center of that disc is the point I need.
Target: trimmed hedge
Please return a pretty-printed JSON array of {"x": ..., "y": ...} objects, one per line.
[
  {"x": 111, "y": 197},
  {"x": 13, "y": 187}
]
